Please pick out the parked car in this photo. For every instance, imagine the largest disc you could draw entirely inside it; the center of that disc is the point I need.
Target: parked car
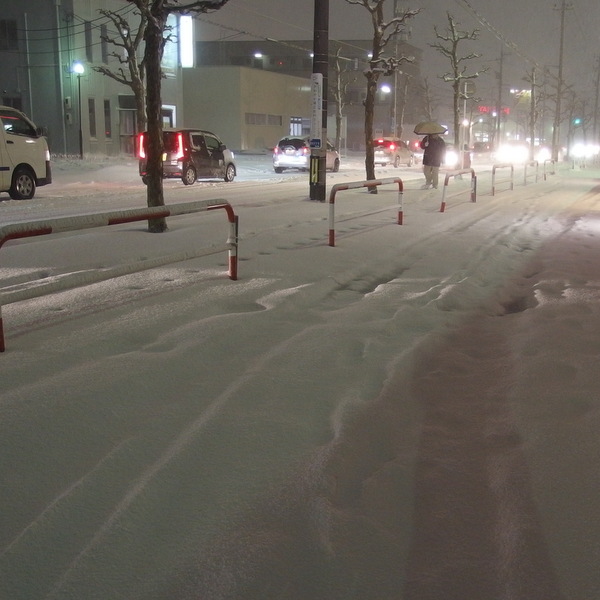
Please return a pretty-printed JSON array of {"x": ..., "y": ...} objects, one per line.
[
  {"x": 417, "y": 151},
  {"x": 191, "y": 154},
  {"x": 293, "y": 152},
  {"x": 392, "y": 151},
  {"x": 24, "y": 155}
]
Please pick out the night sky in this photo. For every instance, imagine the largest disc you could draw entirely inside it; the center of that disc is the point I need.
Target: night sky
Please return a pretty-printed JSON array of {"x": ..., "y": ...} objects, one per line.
[{"x": 530, "y": 30}]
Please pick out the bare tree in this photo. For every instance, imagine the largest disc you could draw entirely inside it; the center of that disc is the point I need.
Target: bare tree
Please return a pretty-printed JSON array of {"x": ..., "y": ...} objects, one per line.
[
  {"x": 379, "y": 64},
  {"x": 130, "y": 69},
  {"x": 429, "y": 101},
  {"x": 342, "y": 78},
  {"x": 458, "y": 73},
  {"x": 534, "y": 112},
  {"x": 156, "y": 13}
]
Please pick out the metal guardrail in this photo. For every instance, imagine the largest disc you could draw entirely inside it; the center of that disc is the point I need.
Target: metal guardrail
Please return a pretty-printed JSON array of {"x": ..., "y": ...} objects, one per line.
[
  {"x": 549, "y": 161},
  {"x": 532, "y": 163},
  {"x": 473, "y": 190},
  {"x": 510, "y": 180},
  {"x": 27, "y": 229},
  {"x": 361, "y": 184}
]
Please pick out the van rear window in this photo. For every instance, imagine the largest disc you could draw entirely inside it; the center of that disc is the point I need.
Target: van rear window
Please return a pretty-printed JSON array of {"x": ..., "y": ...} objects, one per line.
[{"x": 170, "y": 141}]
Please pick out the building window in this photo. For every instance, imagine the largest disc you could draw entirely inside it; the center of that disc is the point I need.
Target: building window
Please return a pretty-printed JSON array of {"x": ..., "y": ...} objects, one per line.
[
  {"x": 8, "y": 35},
  {"x": 275, "y": 120},
  {"x": 239, "y": 61},
  {"x": 256, "y": 119},
  {"x": 107, "y": 121},
  {"x": 13, "y": 102},
  {"x": 92, "y": 116},
  {"x": 295, "y": 125},
  {"x": 104, "y": 43},
  {"x": 88, "y": 41}
]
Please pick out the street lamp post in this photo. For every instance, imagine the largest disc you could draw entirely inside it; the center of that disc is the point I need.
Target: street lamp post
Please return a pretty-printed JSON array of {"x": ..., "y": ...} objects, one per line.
[{"x": 79, "y": 69}]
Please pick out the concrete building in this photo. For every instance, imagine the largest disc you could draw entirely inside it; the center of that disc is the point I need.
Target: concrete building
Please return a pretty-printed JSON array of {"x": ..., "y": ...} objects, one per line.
[
  {"x": 399, "y": 100},
  {"x": 249, "y": 109},
  {"x": 249, "y": 93},
  {"x": 43, "y": 43}
]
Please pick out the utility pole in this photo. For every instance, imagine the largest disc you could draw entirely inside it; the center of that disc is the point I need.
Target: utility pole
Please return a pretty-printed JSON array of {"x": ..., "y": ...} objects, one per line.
[
  {"x": 318, "y": 130},
  {"x": 559, "y": 87},
  {"x": 532, "y": 115},
  {"x": 596, "y": 100},
  {"x": 499, "y": 101}
]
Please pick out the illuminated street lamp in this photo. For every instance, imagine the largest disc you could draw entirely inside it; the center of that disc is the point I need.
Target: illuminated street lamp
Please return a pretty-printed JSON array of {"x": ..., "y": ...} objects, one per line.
[{"x": 79, "y": 70}]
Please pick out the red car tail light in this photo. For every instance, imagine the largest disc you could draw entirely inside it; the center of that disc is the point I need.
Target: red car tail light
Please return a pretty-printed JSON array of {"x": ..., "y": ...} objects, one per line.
[
  {"x": 392, "y": 146},
  {"x": 141, "y": 149},
  {"x": 180, "y": 152}
]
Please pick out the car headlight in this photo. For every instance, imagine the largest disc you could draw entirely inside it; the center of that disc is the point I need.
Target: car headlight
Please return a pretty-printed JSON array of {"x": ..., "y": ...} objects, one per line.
[{"x": 451, "y": 158}]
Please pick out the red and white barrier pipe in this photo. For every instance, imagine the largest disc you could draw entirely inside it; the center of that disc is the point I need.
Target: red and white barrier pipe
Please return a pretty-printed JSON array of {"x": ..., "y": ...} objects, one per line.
[
  {"x": 361, "y": 184},
  {"x": 473, "y": 191},
  {"x": 20, "y": 230}
]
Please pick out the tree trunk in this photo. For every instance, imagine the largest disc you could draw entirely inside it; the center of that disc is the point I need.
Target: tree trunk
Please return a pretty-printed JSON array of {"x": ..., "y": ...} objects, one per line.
[
  {"x": 139, "y": 93},
  {"x": 369, "y": 115},
  {"x": 154, "y": 143},
  {"x": 456, "y": 86}
]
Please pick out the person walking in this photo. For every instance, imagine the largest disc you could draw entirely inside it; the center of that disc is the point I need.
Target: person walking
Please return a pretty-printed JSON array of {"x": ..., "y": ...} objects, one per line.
[{"x": 434, "y": 151}]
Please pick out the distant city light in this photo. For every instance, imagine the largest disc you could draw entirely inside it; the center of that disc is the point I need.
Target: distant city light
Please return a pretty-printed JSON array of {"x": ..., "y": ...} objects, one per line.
[{"x": 258, "y": 55}]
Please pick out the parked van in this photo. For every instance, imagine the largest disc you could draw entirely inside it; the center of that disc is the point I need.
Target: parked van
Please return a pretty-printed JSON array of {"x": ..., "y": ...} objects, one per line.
[{"x": 24, "y": 155}]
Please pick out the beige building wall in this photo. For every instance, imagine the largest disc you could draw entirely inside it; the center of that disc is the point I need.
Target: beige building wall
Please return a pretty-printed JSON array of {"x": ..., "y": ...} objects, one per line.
[{"x": 248, "y": 108}]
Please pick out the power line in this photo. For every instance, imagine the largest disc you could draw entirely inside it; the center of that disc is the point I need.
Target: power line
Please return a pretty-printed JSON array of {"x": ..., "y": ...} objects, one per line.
[{"x": 512, "y": 45}]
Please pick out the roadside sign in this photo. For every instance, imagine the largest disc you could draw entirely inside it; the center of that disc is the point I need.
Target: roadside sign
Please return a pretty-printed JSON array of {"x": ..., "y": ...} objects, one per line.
[
  {"x": 315, "y": 143},
  {"x": 317, "y": 105},
  {"x": 468, "y": 89}
]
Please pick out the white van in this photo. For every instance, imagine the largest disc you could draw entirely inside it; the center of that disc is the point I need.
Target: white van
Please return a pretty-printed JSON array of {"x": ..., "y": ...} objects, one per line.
[{"x": 24, "y": 155}]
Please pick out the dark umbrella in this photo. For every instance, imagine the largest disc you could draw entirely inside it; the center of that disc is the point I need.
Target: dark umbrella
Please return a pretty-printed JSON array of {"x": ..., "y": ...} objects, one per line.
[{"x": 429, "y": 127}]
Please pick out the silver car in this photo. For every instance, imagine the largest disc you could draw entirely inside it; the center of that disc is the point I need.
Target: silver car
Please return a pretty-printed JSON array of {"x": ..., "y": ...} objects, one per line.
[
  {"x": 293, "y": 152},
  {"x": 391, "y": 151}
]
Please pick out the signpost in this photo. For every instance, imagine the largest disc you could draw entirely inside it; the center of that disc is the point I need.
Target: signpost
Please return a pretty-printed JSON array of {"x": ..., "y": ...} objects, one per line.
[{"x": 318, "y": 130}]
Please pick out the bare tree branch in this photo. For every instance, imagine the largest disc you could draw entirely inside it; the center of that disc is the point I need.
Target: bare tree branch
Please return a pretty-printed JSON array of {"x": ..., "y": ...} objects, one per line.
[{"x": 458, "y": 72}]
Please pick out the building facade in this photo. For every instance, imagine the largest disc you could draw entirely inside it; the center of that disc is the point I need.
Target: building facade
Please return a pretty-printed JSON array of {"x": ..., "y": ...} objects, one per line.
[
  {"x": 399, "y": 99},
  {"x": 250, "y": 93},
  {"x": 48, "y": 49}
]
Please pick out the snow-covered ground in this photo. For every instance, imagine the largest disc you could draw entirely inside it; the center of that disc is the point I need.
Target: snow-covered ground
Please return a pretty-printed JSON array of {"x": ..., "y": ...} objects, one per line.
[{"x": 412, "y": 414}]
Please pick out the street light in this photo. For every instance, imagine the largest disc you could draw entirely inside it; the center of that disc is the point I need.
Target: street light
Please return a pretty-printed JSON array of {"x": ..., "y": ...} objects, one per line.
[{"x": 79, "y": 70}]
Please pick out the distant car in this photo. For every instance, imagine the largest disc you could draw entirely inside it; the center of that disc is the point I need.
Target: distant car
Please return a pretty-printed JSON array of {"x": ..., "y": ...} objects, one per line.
[
  {"x": 392, "y": 151},
  {"x": 417, "y": 151},
  {"x": 512, "y": 153},
  {"x": 482, "y": 147},
  {"x": 482, "y": 152},
  {"x": 293, "y": 152},
  {"x": 191, "y": 154},
  {"x": 452, "y": 158}
]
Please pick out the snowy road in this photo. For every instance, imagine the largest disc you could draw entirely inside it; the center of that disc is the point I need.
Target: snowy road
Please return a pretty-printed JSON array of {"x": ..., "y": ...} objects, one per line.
[{"x": 411, "y": 415}]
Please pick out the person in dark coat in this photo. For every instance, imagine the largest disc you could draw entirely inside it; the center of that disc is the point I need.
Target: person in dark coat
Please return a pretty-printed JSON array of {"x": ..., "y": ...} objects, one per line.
[{"x": 434, "y": 151}]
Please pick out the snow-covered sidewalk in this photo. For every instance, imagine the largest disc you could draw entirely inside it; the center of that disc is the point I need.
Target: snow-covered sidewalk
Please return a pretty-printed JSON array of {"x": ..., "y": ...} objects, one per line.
[{"x": 412, "y": 414}]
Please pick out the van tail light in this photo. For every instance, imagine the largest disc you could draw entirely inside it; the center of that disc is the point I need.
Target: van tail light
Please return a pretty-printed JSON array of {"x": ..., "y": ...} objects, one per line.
[
  {"x": 141, "y": 150},
  {"x": 180, "y": 153},
  {"x": 392, "y": 146}
]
